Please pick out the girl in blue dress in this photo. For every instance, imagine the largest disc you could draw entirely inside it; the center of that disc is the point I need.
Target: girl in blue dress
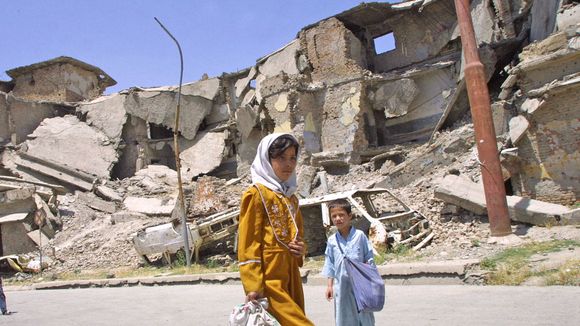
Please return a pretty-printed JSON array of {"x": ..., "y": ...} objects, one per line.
[{"x": 357, "y": 247}]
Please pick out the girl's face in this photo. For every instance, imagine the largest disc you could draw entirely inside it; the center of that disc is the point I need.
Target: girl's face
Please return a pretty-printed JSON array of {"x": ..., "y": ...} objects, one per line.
[
  {"x": 284, "y": 164},
  {"x": 341, "y": 219}
]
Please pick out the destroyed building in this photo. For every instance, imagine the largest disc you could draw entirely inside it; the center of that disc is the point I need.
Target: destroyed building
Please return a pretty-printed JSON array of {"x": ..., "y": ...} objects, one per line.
[{"x": 349, "y": 101}]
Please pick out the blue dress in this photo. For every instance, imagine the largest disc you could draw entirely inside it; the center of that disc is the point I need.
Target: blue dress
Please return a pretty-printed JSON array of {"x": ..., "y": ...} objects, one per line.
[{"x": 357, "y": 247}]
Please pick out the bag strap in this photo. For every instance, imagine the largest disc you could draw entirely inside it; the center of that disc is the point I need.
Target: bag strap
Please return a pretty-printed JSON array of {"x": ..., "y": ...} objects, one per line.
[{"x": 339, "y": 246}]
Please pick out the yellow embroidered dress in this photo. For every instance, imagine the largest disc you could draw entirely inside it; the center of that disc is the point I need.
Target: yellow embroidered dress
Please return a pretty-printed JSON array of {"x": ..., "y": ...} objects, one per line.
[{"x": 268, "y": 222}]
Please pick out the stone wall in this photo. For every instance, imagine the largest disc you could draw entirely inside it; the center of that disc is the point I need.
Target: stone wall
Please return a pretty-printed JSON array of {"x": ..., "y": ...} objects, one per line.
[
  {"x": 61, "y": 82},
  {"x": 549, "y": 151}
]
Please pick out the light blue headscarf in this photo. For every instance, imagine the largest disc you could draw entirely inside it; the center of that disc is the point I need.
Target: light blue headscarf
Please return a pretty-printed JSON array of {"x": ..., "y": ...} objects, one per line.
[{"x": 263, "y": 173}]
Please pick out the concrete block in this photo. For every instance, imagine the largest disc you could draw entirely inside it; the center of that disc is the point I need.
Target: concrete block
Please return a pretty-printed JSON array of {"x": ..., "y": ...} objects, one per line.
[
  {"x": 283, "y": 60},
  {"x": 461, "y": 192},
  {"x": 126, "y": 216},
  {"x": 568, "y": 18},
  {"x": 108, "y": 194},
  {"x": 571, "y": 217},
  {"x": 530, "y": 105},
  {"x": 470, "y": 196},
  {"x": 518, "y": 127},
  {"x": 243, "y": 83},
  {"x": 95, "y": 202},
  {"x": 220, "y": 112},
  {"x": 107, "y": 114},
  {"x": 534, "y": 211},
  {"x": 203, "y": 154},
  {"x": 158, "y": 106},
  {"x": 395, "y": 97},
  {"x": 207, "y": 89},
  {"x": 71, "y": 143},
  {"x": 501, "y": 115},
  {"x": 150, "y": 206}
]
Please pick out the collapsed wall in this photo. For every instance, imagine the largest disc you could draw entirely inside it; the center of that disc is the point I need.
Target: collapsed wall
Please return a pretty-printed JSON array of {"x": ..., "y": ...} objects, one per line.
[{"x": 348, "y": 101}]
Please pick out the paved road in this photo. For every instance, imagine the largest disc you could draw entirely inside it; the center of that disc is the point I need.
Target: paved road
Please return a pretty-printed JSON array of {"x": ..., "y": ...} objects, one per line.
[{"x": 211, "y": 304}]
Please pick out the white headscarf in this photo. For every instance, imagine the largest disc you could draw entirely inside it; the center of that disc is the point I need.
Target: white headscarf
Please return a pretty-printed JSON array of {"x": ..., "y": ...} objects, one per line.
[{"x": 262, "y": 171}]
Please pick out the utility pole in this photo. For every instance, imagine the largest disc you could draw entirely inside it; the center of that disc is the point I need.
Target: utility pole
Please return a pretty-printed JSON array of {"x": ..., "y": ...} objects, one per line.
[
  {"x": 181, "y": 198},
  {"x": 479, "y": 102}
]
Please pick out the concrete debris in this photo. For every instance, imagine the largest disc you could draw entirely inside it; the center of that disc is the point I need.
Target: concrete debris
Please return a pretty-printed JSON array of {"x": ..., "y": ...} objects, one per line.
[
  {"x": 548, "y": 151},
  {"x": 107, "y": 114},
  {"x": 150, "y": 206},
  {"x": 203, "y": 154},
  {"x": 395, "y": 97},
  {"x": 362, "y": 114},
  {"x": 96, "y": 203},
  {"x": 108, "y": 193},
  {"x": 518, "y": 127},
  {"x": 157, "y": 106},
  {"x": 469, "y": 195},
  {"x": 72, "y": 137},
  {"x": 25, "y": 217}
]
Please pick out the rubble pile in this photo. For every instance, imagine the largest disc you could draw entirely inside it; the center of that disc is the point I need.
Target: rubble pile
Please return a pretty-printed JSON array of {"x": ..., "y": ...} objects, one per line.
[{"x": 365, "y": 118}]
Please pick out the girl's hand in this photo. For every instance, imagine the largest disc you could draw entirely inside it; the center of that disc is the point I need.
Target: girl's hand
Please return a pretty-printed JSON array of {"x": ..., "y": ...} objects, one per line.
[
  {"x": 329, "y": 293},
  {"x": 296, "y": 248},
  {"x": 253, "y": 296}
]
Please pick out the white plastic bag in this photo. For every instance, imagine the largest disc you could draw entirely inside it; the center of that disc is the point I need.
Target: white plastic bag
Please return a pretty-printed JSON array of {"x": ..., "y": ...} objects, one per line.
[{"x": 252, "y": 313}]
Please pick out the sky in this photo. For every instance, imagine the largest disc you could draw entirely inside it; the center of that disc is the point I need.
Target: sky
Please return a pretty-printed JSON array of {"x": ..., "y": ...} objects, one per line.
[{"x": 122, "y": 38}]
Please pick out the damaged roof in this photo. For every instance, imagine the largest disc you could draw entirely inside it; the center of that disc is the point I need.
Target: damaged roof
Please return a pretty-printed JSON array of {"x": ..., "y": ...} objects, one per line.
[
  {"x": 372, "y": 13},
  {"x": 103, "y": 77}
]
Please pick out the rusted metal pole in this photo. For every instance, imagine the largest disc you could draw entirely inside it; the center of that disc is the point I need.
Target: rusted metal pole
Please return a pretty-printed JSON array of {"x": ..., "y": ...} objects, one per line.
[
  {"x": 495, "y": 197},
  {"x": 181, "y": 199}
]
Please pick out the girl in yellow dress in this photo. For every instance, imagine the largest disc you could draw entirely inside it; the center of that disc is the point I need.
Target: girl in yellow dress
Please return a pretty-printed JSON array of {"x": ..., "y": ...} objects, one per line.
[{"x": 270, "y": 233}]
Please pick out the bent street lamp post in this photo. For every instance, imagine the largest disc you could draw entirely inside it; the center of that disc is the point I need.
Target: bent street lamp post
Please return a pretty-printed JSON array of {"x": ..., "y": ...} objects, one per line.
[
  {"x": 479, "y": 102},
  {"x": 181, "y": 204}
]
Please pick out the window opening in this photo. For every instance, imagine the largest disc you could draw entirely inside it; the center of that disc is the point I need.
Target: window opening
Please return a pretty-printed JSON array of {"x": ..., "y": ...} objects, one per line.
[{"x": 385, "y": 43}]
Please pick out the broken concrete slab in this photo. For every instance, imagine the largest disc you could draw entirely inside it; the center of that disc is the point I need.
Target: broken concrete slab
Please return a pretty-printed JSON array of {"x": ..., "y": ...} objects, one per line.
[
  {"x": 394, "y": 97},
  {"x": 283, "y": 60},
  {"x": 530, "y": 105},
  {"x": 108, "y": 193},
  {"x": 243, "y": 83},
  {"x": 25, "y": 116},
  {"x": 158, "y": 105},
  {"x": 126, "y": 216},
  {"x": 461, "y": 192},
  {"x": 501, "y": 116},
  {"x": 470, "y": 196},
  {"x": 207, "y": 88},
  {"x": 571, "y": 217},
  {"x": 95, "y": 202},
  {"x": 536, "y": 212},
  {"x": 518, "y": 127},
  {"x": 107, "y": 114},
  {"x": 72, "y": 143},
  {"x": 150, "y": 206},
  {"x": 568, "y": 18},
  {"x": 203, "y": 154},
  {"x": 551, "y": 59},
  {"x": 38, "y": 237},
  {"x": 34, "y": 168},
  {"x": 159, "y": 173},
  {"x": 220, "y": 112}
]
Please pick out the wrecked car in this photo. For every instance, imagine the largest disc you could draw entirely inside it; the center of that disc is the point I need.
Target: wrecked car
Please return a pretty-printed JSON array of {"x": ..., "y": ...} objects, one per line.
[{"x": 387, "y": 220}]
